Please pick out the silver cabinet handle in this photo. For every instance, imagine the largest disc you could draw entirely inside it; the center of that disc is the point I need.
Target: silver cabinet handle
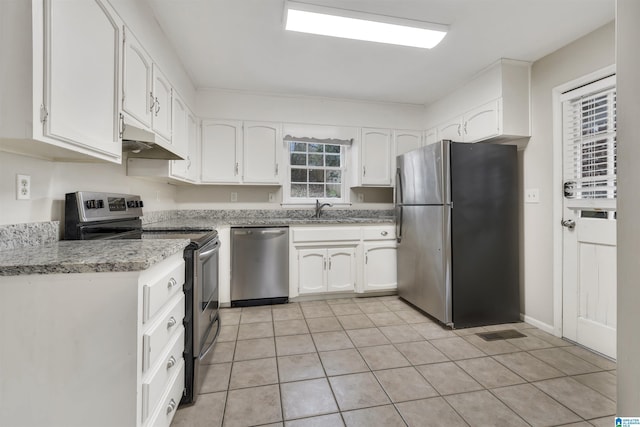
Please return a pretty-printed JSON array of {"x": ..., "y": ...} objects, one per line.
[
  {"x": 171, "y": 362},
  {"x": 171, "y": 406},
  {"x": 329, "y": 263},
  {"x": 172, "y": 283},
  {"x": 237, "y": 168},
  {"x": 364, "y": 171},
  {"x": 459, "y": 134},
  {"x": 569, "y": 223},
  {"x": 384, "y": 233},
  {"x": 152, "y": 103},
  {"x": 123, "y": 125},
  {"x": 276, "y": 169},
  {"x": 172, "y": 322},
  {"x": 324, "y": 263},
  {"x": 157, "y": 104},
  {"x": 465, "y": 127}
]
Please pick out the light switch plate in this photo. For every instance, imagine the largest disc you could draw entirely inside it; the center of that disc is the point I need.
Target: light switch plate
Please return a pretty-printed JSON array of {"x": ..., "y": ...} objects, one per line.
[
  {"x": 360, "y": 197},
  {"x": 23, "y": 187},
  {"x": 532, "y": 195},
  {"x": 234, "y": 196}
]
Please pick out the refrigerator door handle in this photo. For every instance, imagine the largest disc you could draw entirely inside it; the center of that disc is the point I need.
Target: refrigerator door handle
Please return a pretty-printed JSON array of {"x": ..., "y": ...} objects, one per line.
[
  {"x": 399, "y": 195},
  {"x": 399, "y": 223}
]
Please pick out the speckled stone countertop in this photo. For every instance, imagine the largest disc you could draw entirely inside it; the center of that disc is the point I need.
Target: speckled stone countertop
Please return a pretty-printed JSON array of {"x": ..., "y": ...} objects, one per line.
[
  {"x": 88, "y": 256},
  {"x": 210, "y": 220}
]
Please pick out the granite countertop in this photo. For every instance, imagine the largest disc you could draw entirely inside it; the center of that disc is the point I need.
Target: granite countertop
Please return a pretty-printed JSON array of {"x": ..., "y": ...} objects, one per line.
[
  {"x": 88, "y": 256},
  {"x": 213, "y": 223}
]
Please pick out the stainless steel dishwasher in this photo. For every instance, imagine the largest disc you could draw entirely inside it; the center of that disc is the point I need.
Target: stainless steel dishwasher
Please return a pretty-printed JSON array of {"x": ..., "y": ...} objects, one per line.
[{"x": 259, "y": 265}]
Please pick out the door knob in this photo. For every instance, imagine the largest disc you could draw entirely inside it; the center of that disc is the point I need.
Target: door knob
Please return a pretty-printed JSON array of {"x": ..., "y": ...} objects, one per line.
[{"x": 569, "y": 223}]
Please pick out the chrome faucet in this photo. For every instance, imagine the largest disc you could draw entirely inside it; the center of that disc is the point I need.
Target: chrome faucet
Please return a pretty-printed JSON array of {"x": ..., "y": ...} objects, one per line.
[{"x": 319, "y": 208}]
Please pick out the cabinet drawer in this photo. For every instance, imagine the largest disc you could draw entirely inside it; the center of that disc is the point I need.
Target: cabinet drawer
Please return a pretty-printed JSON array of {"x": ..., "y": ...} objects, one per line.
[
  {"x": 161, "y": 331},
  {"x": 166, "y": 409},
  {"x": 159, "y": 290},
  {"x": 326, "y": 234},
  {"x": 383, "y": 232},
  {"x": 156, "y": 383}
]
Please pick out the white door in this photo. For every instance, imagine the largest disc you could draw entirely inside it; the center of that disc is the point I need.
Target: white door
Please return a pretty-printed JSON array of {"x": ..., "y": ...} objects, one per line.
[
  {"x": 136, "y": 80},
  {"x": 589, "y": 232},
  {"x": 341, "y": 269},
  {"x": 312, "y": 265},
  {"x": 221, "y": 151},
  {"x": 81, "y": 88},
  {"x": 406, "y": 140},
  {"x": 376, "y": 149},
  {"x": 482, "y": 122},
  {"x": 179, "y": 130},
  {"x": 262, "y": 153},
  {"x": 430, "y": 136},
  {"x": 193, "y": 155},
  {"x": 451, "y": 130}
]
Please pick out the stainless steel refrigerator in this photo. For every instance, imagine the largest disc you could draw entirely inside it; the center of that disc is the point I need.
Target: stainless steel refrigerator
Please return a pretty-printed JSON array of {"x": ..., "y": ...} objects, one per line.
[{"x": 457, "y": 230}]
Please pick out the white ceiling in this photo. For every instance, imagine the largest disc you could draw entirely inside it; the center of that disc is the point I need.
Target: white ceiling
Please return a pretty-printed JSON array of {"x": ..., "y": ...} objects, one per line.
[{"x": 241, "y": 45}]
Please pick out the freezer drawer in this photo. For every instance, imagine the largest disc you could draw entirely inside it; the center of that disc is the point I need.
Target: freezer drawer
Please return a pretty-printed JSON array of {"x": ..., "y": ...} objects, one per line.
[{"x": 259, "y": 265}]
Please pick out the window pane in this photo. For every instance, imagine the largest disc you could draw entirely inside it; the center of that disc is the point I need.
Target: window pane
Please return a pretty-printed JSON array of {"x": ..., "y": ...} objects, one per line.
[
  {"x": 298, "y": 175},
  {"x": 316, "y": 190},
  {"x": 333, "y": 161},
  {"x": 316, "y": 148},
  {"x": 298, "y": 190},
  {"x": 316, "y": 175},
  {"x": 334, "y": 176},
  {"x": 299, "y": 159},
  {"x": 332, "y": 148},
  {"x": 316, "y": 159},
  {"x": 334, "y": 190},
  {"x": 298, "y": 146}
]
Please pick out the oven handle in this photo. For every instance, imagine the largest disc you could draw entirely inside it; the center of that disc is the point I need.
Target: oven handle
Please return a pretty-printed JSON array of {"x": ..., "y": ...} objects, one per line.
[
  {"x": 209, "y": 252},
  {"x": 217, "y": 320}
]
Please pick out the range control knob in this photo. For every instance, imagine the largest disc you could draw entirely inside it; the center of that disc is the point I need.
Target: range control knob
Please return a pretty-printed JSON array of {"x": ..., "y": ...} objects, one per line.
[
  {"x": 131, "y": 204},
  {"x": 141, "y": 204},
  {"x": 100, "y": 204},
  {"x": 90, "y": 204}
]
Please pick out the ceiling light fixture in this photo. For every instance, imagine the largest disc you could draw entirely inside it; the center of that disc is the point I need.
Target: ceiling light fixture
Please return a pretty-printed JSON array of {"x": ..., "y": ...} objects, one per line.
[{"x": 349, "y": 24}]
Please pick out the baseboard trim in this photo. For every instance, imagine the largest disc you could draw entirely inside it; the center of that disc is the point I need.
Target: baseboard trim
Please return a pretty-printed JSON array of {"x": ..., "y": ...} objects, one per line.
[{"x": 538, "y": 324}]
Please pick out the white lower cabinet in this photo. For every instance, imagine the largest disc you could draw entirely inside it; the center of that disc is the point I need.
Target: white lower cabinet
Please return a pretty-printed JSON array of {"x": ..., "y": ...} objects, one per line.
[
  {"x": 99, "y": 349},
  {"x": 326, "y": 269},
  {"x": 342, "y": 259}
]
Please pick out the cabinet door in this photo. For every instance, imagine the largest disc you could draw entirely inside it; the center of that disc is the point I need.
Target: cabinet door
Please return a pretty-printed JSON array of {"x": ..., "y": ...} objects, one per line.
[
  {"x": 312, "y": 264},
  {"x": 431, "y": 136},
  {"x": 221, "y": 151},
  {"x": 451, "y": 130},
  {"x": 341, "y": 269},
  {"x": 482, "y": 122},
  {"x": 162, "y": 104},
  {"x": 406, "y": 141},
  {"x": 179, "y": 131},
  {"x": 193, "y": 154},
  {"x": 262, "y": 153},
  {"x": 380, "y": 269},
  {"x": 81, "y": 82},
  {"x": 136, "y": 80},
  {"x": 376, "y": 150}
]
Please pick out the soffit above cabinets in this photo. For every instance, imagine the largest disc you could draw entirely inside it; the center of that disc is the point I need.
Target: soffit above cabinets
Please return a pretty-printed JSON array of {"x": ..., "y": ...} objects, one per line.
[{"x": 241, "y": 45}]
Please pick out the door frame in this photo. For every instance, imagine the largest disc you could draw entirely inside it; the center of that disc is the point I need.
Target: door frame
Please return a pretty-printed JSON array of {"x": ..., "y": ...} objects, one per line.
[{"x": 556, "y": 93}]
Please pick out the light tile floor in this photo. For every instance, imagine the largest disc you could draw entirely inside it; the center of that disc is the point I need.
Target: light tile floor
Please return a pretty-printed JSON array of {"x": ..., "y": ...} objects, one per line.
[{"x": 378, "y": 362}]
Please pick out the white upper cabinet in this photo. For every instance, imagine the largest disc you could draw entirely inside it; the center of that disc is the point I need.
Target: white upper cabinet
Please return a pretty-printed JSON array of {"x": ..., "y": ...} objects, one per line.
[
  {"x": 193, "y": 156},
  {"x": 179, "y": 129},
  {"x": 61, "y": 79},
  {"x": 262, "y": 153},
  {"x": 162, "y": 104},
  {"x": 82, "y": 52},
  {"x": 137, "y": 87},
  {"x": 431, "y": 136},
  {"x": 221, "y": 151},
  {"x": 492, "y": 107},
  {"x": 406, "y": 140},
  {"x": 375, "y": 158}
]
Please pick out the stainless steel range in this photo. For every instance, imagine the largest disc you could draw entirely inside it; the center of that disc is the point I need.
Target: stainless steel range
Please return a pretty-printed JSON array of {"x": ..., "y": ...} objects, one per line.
[{"x": 93, "y": 215}]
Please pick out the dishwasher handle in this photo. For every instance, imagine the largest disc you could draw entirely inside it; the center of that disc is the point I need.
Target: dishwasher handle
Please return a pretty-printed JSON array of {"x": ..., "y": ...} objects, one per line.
[
  {"x": 242, "y": 232},
  {"x": 273, "y": 231}
]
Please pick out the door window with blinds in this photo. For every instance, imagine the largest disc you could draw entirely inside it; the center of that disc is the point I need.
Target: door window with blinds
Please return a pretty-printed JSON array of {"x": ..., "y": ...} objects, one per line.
[{"x": 589, "y": 144}]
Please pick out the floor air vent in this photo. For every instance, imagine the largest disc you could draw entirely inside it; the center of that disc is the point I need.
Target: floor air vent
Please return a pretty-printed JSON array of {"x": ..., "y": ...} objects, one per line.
[{"x": 500, "y": 335}]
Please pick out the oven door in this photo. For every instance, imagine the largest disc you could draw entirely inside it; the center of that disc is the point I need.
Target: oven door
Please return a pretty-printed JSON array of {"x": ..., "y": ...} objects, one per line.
[{"x": 205, "y": 288}]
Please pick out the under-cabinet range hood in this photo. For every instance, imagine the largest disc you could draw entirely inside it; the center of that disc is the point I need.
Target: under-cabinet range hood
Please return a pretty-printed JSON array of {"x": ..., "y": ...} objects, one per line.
[{"x": 144, "y": 144}]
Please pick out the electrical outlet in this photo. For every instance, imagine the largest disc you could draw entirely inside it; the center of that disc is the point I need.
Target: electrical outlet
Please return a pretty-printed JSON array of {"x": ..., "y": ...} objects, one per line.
[
  {"x": 360, "y": 197},
  {"x": 532, "y": 195},
  {"x": 23, "y": 187},
  {"x": 272, "y": 197},
  {"x": 234, "y": 196}
]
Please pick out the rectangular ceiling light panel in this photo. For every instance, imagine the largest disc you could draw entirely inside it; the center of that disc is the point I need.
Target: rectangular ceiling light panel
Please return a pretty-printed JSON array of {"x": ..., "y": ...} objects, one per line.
[{"x": 313, "y": 19}]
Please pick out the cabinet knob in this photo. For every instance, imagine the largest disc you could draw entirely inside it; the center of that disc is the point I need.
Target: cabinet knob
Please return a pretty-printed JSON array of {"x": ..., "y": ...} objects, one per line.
[
  {"x": 172, "y": 283},
  {"x": 384, "y": 233},
  {"x": 172, "y": 322},
  {"x": 171, "y": 362},
  {"x": 171, "y": 406}
]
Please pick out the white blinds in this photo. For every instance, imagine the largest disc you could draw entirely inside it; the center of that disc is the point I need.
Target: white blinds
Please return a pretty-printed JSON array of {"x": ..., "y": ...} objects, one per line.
[{"x": 589, "y": 139}]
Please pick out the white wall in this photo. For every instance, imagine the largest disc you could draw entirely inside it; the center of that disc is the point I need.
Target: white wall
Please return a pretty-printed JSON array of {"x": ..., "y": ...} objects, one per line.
[
  {"x": 586, "y": 55},
  {"x": 628, "y": 69},
  {"x": 51, "y": 180}
]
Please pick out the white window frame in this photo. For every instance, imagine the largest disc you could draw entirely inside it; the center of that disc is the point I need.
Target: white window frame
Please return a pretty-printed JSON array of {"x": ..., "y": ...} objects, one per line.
[{"x": 344, "y": 191}]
